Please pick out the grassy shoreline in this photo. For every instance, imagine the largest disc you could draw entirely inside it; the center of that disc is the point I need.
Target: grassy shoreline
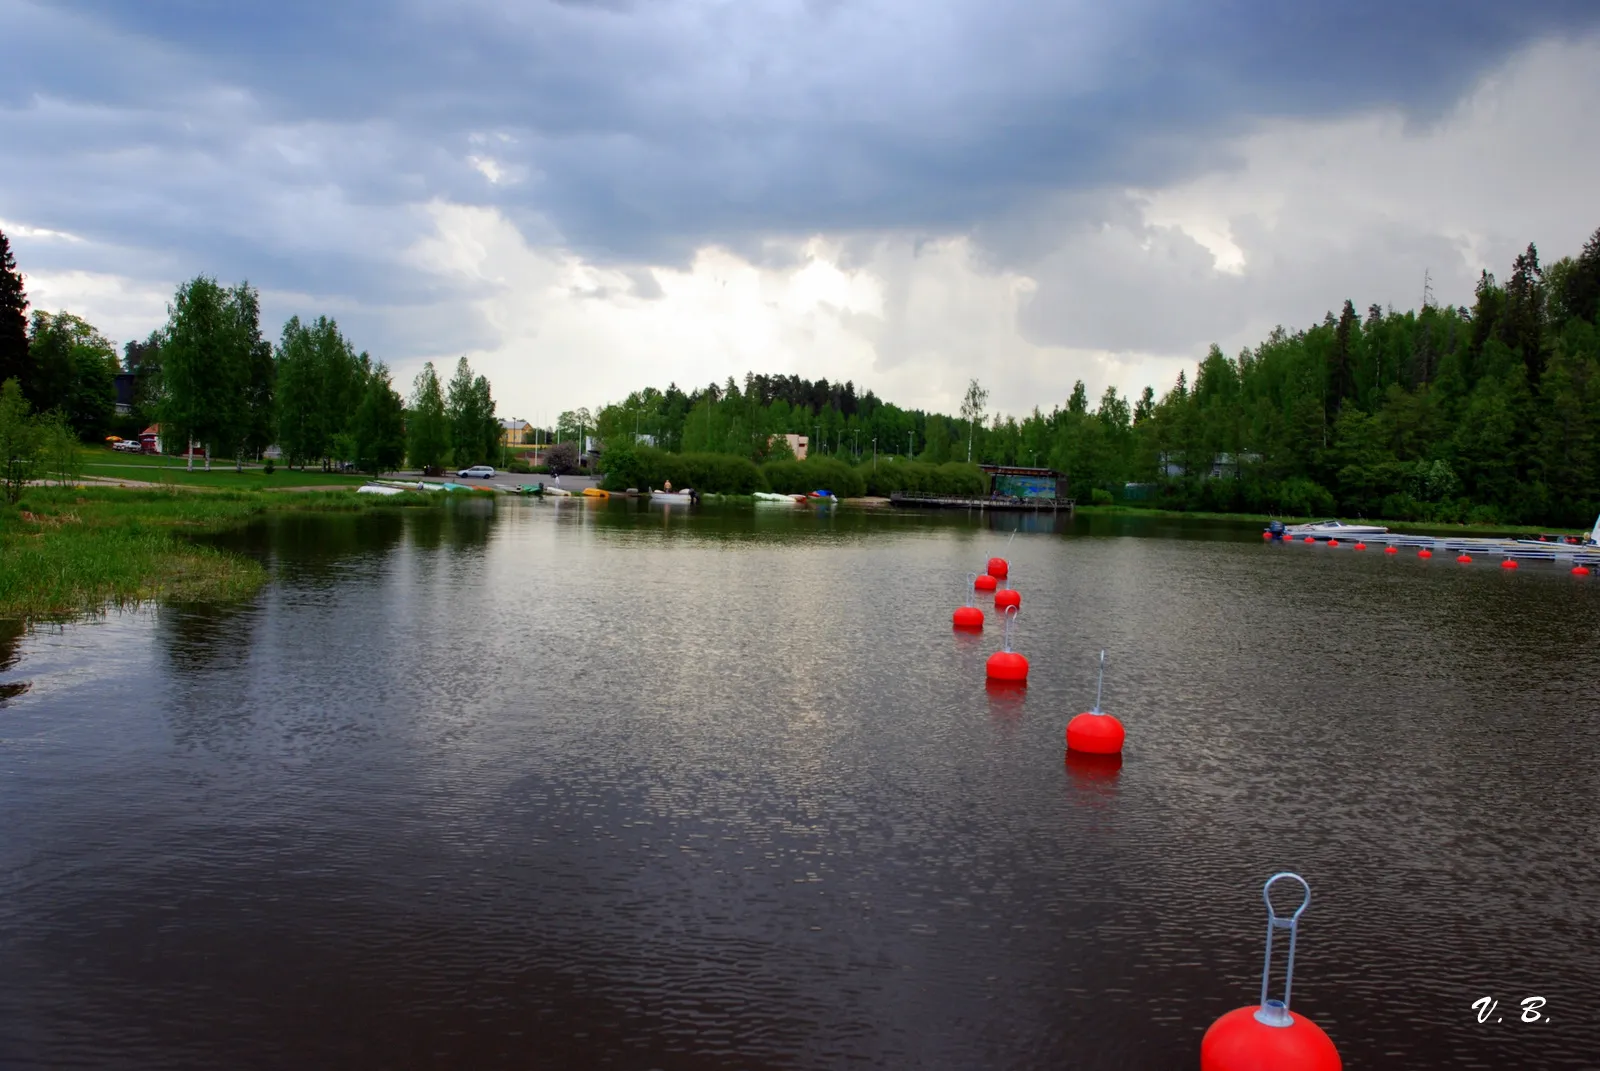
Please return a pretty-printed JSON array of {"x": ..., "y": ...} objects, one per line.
[{"x": 73, "y": 550}]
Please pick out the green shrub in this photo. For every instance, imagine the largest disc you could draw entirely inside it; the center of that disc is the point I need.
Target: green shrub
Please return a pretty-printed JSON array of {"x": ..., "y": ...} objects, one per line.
[
  {"x": 645, "y": 467},
  {"x": 1100, "y": 497},
  {"x": 270, "y": 467},
  {"x": 519, "y": 466},
  {"x": 814, "y": 474}
]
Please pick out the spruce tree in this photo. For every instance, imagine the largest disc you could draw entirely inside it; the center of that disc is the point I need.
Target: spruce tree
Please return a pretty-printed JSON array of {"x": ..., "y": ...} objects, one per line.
[{"x": 14, "y": 362}]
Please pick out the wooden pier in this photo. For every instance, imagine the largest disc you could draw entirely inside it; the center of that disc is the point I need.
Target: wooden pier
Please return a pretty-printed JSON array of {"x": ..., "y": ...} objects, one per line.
[
  {"x": 1011, "y": 488},
  {"x": 1029, "y": 505}
]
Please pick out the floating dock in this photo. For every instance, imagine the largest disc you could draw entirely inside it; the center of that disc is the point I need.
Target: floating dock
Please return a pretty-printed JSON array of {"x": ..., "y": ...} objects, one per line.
[
  {"x": 1029, "y": 505},
  {"x": 1473, "y": 546}
]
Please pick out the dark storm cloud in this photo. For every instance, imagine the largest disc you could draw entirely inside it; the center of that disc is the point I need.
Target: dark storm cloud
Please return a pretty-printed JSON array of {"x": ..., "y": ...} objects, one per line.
[{"x": 286, "y": 140}]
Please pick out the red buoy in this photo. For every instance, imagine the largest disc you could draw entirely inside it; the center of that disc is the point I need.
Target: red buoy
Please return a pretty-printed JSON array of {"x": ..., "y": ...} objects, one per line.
[
  {"x": 1007, "y": 597},
  {"x": 1266, "y": 535},
  {"x": 1361, "y": 546},
  {"x": 1509, "y": 563},
  {"x": 998, "y": 568},
  {"x": 1465, "y": 559},
  {"x": 1095, "y": 732},
  {"x": 1333, "y": 542},
  {"x": 985, "y": 582},
  {"x": 968, "y": 618},
  {"x": 1424, "y": 553},
  {"x": 1390, "y": 550},
  {"x": 1580, "y": 570},
  {"x": 1006, "y": 664},
  {"x": 1240, "y": 1042},
  {"x": 1308, "y": 539},
  {"x": 1268, "y": 1036}
]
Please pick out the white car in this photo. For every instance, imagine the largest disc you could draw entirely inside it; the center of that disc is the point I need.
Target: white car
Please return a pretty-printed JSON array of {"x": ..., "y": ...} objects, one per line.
[
  {"x": 482, "y": 471},
  {"x": 128, "y": 446}
]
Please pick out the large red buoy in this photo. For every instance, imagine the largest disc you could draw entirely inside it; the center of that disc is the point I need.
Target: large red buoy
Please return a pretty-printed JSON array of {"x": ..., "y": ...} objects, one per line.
[
  {"x": 998, "y": 568},
  {"x": 985, "y": 582},
  {"x": 1007, "y": 665},
  {"x": 1095, "y": 732},
  {"x": 1390, "y": 550},
  {"x": 1509, "y": 563},
  {"x": 1465, "y": 559},
  {"x": 1268, "y": 1036},
  {"x": 1580, "y": 570},
  {"x": 968, "y": 618},
  {"x": 1007, "y": 597},
  {"x": 1308, "y": 539},
  {"x": 1361, "y": 546},
  {"x": 1424, "y": 553},
  {"x": 1333, "y": 542}
]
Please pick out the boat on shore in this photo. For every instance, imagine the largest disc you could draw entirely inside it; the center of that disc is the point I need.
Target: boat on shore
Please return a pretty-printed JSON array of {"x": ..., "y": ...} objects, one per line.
[
  {"x": 379, "y": 489},
  {"x": 686, "y": 495}
]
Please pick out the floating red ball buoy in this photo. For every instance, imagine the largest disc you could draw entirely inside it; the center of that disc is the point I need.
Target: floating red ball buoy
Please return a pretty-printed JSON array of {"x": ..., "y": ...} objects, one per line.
[
  {"x": 985, "y": 582},
  {"x": 1509, "y": 563},
  {"x": 1580, "y": 570},
  {"x": 1266, "y": 535},
  {"x": 1007, "y": 597},
  {"x": 1268, "y": 1036},
  {"x": 1006, "y": 664},
  {"x": 1424, "y": 553},
  {"x": 998, "y": 568},
  {"x": 1390, "y": 550},
  {"x": 1095, "y": 732},
  {"x": 1361, "y": 546},
  {"x": 1308, "y": 539},
  {"x": 968, "y": 617},
  {"x": 1240, "y": 1042},
  {"x": 1465, "y": 559},
  {"x": 1333, "y": 542}
]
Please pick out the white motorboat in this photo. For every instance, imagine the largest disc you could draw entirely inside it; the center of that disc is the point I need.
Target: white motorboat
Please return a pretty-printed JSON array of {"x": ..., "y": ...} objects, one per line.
[
  {"x": 378, "y": 489},
  {"x": 685, "y": 495},
  {"x": 1334, "y": 529},
  {"x": 768, "y": 496}
]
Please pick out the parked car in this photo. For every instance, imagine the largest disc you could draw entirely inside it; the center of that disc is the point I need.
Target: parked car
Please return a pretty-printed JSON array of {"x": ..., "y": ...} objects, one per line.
[
  {"x": 128, "y": 446},
  {"x": 485, "y": 472}
]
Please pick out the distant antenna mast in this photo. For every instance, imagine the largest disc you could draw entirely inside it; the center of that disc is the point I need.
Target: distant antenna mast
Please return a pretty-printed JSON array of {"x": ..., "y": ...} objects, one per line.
[{"x": 1427, "y": 290}]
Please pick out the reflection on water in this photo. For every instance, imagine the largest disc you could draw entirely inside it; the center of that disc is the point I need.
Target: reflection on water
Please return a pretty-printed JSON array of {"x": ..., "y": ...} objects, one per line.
[
  {"x": 11, "y": 633},
  {"x": 572, "y": 784}
]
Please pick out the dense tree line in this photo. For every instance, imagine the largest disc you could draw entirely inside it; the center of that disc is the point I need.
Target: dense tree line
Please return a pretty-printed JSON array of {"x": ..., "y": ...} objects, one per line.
[
  {"x": 1489, "y": 414},
  {"x": 210, "y": 378}
]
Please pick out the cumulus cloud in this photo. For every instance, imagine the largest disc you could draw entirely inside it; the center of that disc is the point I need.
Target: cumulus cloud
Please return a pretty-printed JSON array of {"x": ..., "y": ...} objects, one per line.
[{"x": 586, "y": 197}]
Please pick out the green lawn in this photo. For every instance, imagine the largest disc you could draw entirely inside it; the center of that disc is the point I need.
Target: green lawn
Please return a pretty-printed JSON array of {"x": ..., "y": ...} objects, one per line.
[{"x": 156, "y": 468}]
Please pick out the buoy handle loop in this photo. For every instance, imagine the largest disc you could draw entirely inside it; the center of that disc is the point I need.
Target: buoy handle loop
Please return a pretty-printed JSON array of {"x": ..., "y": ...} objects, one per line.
[
  {"x": 1100, "y": 686},
  {"x": 972, "y": 578},
  {"x": 1276, "y": 1012},
  {"x": 1011, "y": 619}
]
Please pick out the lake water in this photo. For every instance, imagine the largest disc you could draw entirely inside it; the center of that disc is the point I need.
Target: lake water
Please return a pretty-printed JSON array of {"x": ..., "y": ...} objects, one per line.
[{"x": 575, "y": 785}]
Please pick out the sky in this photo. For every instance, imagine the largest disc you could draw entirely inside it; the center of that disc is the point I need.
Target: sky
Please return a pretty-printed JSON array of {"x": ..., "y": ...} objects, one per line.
[{"x": 585, "y": 197}]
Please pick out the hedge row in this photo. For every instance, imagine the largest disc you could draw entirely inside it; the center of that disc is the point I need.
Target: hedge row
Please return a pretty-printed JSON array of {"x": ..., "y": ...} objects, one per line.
[{"x": 645, "y": 467}]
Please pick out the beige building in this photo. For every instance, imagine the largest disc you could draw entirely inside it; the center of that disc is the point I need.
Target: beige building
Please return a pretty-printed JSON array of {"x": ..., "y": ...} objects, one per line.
[
  {"x": 515, "y": 433},
  {"x": 798, "y": 444}
]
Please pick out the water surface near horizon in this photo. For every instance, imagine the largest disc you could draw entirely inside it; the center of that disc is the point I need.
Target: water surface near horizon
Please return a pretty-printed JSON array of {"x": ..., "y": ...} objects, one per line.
[{"x": 566, "y": 785}]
